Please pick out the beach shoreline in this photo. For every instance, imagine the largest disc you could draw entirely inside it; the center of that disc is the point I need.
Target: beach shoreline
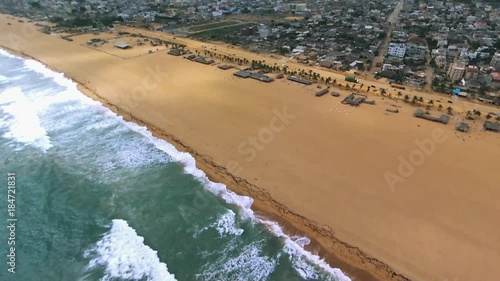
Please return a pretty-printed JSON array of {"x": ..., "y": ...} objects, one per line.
[
  {"x": 335, "y": 250},
  {"x": 263, "y": 202}
]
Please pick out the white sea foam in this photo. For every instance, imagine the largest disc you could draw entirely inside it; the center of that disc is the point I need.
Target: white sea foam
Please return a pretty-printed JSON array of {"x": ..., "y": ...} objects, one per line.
[
  {"x": 3, "y": 78},
  {"x": 25, "y": 125},
  {"x": 38, "y": 67},
  {"x": 301, "y": 259},
  {"x": 189, "y": 163},
  {"x": 6, "y": 54},
  {"x": 124, "y": 255},
  {"x": 293, "y": 247},
  {"x": 247, "y": 265},
  {"x": 225, "y": 225}
]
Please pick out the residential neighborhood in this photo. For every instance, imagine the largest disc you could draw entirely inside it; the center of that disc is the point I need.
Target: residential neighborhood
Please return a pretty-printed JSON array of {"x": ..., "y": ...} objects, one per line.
[{"x": 432, "y": 45}]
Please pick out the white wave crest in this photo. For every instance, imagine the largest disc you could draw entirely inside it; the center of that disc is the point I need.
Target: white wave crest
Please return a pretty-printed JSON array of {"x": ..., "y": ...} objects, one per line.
[
  {"x": 301, "y": 259},
  {"x": 247, "y": 265},
  {"x": 6, "y": 54},
  {"x": 293, "y": 247},
  {"x": 125, "y": 256},
  {"x": 225, "y": 224},
  {"x": 25, "y": 125}
]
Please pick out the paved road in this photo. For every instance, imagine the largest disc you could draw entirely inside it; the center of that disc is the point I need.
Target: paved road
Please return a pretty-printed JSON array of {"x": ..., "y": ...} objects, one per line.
[
  {"x": 226, "y": 49},
  {"x": 393, "y": 18}
]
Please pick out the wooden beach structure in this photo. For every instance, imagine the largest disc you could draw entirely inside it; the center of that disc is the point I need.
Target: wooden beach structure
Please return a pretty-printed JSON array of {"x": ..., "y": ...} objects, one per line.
[
  {"x": 322, "y": 92},
  {"x": 356, "y": 99},
  {"x": 202, "y": 60},
  {"x": 462, "y": 127},
  {"x": 444, "y": 118},
  {"x": 492, "y": 126},
  {"x": 225, "y": 67},
  {"x": 242, "y": 73},
  {"x": 122, "y": 45},
  {"x": 335, "y": 94},
  {"x": 261, "y": 77},
  {"x": 299, "y": 80},
  {"x": 176, "y": 52}
]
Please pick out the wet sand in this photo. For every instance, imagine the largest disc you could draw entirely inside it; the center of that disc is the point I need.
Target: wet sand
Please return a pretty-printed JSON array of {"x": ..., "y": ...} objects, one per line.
[{"x": 388, "y": 194}]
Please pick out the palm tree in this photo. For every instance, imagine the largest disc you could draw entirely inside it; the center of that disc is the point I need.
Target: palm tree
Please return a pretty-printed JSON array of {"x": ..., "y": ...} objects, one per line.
[
  {"x": 414, "y": 100},
  {"x": 399, "y": 94},
  {"x": 334, "y": 81},
  {"x": 488, "y": 116},
  {"x": 430, "y": 102},
  {"x": 477, "y": 113},
  {"x": 440, "y": 107},
  {"x": 421, "y": 99},
  {"x": 406, "y": 98},
  {"x": 449, "y": 110}
]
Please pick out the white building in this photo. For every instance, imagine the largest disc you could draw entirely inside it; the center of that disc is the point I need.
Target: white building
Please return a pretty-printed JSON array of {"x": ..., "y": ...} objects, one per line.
[
  {"x": 295, "y": 7},
  {"x": 263, "y": 31},
  {"x": 397, "y": 50},
  {"x": 495, "y": 60},
  {"x": 456, "y": 71}
]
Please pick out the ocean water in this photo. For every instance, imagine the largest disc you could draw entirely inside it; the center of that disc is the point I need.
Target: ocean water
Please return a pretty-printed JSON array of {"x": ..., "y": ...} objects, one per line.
[{"x": 99, "y": 198}]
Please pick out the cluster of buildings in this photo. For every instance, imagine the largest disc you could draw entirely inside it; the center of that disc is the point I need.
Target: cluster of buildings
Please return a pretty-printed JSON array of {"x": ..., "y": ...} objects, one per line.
[{"x": 451, "y": 43}]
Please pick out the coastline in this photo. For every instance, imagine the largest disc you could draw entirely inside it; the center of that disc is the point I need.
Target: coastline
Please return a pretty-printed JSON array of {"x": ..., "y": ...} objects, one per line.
[
  {"x": 321, "y": 235},
  {"x": 263, "y": 203}
]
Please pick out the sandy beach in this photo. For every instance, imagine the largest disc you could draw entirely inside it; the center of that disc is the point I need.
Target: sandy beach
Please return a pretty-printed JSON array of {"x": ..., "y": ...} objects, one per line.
[{"x": 385, "y": 196}]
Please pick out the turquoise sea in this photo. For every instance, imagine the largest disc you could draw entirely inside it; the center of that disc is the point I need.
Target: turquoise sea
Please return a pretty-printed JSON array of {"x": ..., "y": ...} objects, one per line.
[{"x": 98, "y": 198}]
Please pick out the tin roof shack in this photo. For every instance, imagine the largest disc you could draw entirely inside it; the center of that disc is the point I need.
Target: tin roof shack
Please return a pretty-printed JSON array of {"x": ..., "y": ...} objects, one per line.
[
  {"x": 492, "y": 126},
  {"x": 225, "y": 67},
  {"x": 176, "y": 52},
  {"x": 322, "y": 92},
  {"x": 462, "y": 127},
  {"x": 261, "y": 77},
  {"x": 299, "y": 80},
  {"x": 419, "y": 113},
  {"x": 242, "y": 74},
  {"x": 353, "y": 100},
  {"x": 190, "y": 57},
  {"x": 202, "y": 60},
  {"x": 122, "y": 45}
]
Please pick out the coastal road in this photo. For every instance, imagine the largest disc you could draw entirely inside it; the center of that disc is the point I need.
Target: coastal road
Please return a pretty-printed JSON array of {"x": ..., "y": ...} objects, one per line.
[
  {"x": 392, "y": 20},
  {"x": 229, "y": 50}
]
